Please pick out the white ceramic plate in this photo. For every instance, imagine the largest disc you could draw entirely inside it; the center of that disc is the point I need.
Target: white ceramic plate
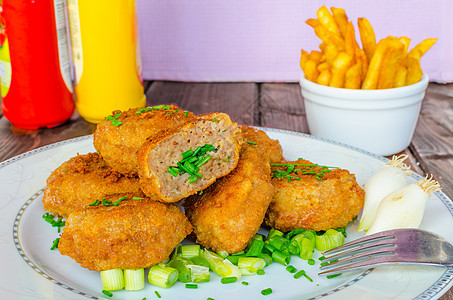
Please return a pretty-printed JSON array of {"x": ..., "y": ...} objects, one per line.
[{"x": 30, "y": 270}]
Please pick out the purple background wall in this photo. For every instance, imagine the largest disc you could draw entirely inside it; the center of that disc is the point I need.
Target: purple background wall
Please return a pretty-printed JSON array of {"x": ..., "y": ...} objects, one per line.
[{"x": 260, "y": 40}]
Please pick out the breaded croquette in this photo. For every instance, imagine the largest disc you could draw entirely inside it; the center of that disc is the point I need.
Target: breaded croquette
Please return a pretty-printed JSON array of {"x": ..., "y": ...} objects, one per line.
[
  {"x": 134, "y": 234},
  {"x": 229, "y": 213},
  {"x": 271, "y": 149},
  {"x": 183, "y": 160},
  {"x": 83, "y": 179},
  {"x": 119, "y": 136},
  {"x": 304, "y": 201}
]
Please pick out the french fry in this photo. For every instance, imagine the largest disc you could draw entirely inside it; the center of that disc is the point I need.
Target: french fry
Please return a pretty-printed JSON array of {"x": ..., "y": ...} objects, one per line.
[
  {"x": 414, "y": 70},
  {"x": 326, "y": 19},
  {"x": 406, "y": 41},
  {"x": 418, "y": 51},
  {"x": 339, "y": 15},
  {"x": 328, "y": 37},
  {"x": 331, "y": 52},
  {"x": 323, "y": 66},
  {"x": 315, "y": 56},
  {"x": 353, "y": 77},
  {"x": 339, "y": 67},
  {"x": 324, "y": 77},
  {"x": 350, "y": 43},
  {"x": 392, "y": 56},
  {"x": 304, "y": 56},
  {"x": 367, "y": 37},
  {"x": 374, "y": 67},
  {"x": 310, "y": 70},
  {"x": 400, "y": 76},
  {"x": 313, "y": 22},
  {"x": 322, "y": 47},
  {"x": 361, "y": 58}
]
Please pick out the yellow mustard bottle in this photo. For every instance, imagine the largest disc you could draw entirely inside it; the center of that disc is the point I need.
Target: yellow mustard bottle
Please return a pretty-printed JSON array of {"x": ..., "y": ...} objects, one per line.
[{"x": 106, "y": 57}]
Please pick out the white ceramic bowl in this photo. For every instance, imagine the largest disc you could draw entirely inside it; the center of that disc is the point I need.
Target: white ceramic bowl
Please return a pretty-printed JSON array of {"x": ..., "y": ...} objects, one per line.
[{"x": 379, "y": 121}]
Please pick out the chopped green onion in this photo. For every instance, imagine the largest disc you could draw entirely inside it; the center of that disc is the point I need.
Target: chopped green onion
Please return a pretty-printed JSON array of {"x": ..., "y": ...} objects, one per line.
[
  {"x": 250, "y": 265},
  {"x": 329, "y": 240},
  {"x": 291, "y": 269},
  {"x": 333, "y": 276},
  {"x": 267, "y": 291},
  {"x": 299, "y": 274},
  {"x": 199, "y": 273},
  {"x": 162, "y": 276},
  {"x": 294, "y": 232},
  {"x": 227, "y": 280},
  {"x": 279, "y": 242},
  {"x": 157, "y": 294},
  {"x": 234, "y": 259},
  {"x": 274, "y": 232},
  {"x": 183, "y": 270},
  {"x": 137, "y": 198},
  {"x": 220, "y": 266},
  {"x": 306, "y": 249},
  {"x": 223, "y": 253},
  {"x": 260, "y": 272},
  {"x": 269, "y": 248},
  {"x": 186, "y": 113},
  {"x": 311, "y": 261},
  {"x": 281, "y": 257},
  {"x": 244, "y": 283},
  {"x": 55, "y": 244},
  {"x": 134, "y": 279},
  {"x": 191, "y": 286},
  {"x": 203, "y": 160},
  {"x": 188, "y": 153},
  {"x": 107, "y": 293},
  {"x": 256, "y": 246},
  {"x": 251, "y": 143},
  {"x": 189, "y": 251},
  {"x": 112, "y": 280},
  {"x": 267, "y": 258},
  {"x": 198, "y": 260}
]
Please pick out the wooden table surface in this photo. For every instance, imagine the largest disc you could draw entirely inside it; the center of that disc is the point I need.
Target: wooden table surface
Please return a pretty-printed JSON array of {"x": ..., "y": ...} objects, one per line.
[{"x": 276, "y": 105}]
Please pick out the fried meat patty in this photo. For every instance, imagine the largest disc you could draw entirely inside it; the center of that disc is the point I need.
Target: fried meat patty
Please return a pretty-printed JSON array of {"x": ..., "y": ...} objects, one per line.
[
  {"x": 315, "y": 204},
  {"x": 118, "y": 137},
  {"x": 229, "y": 213},
  {"x": 81, "y": 180},
  {"x": 134, "y": 234},
  {"x": 164, "y": 152},
  {"x": 271, "y": 149}
]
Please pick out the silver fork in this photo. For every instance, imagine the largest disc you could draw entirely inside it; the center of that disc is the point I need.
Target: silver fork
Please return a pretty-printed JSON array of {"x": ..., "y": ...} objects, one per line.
[{"x": 398, "y": 246}]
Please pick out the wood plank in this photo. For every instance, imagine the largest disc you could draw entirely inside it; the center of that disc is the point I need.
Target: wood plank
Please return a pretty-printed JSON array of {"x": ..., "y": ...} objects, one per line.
[
  {"x": 433, "y": 139},
  {"x": 15, "y": 141},
  {"x": 282, "y": 106},
  {"x": 238, "y": 100}
]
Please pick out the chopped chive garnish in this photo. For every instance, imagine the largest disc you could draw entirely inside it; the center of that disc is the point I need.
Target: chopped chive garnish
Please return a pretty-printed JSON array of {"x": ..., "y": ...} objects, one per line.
[
  {"x": 119, "y": 200},
  {"x": 107, "y": 293},
  {"x": 157, "y": 294},
  {"x": 95, "y": 203},
  {"x": 191, "y": 286},
  {"x": 226, "y": 280},
  {"x": 251, "y": 143},
  {"x": 333, "y": 276},
  {"x": 186, "y": 113},
  {"x": 267, "y": 291},
  {"x": 299, "y": 274},
  {"x": 311, "y": 261},
  {"x": 291, "y": 269},
  {"x": 137, "y": 198},
  {"x": 191, "y": 162},
  {"x": 260, "y": 272},
  {"x": 228, "y": 158},
  {"x": 213, "y": 120},
  {"x": 245, "y": 283},
  {"x": 210, "y": 298},
  {"x": 307, "y": 169},
  {"x": 114, "y": 119},
  {"x": 55, "y": 244},
  {"x": 322, "y": 258}
]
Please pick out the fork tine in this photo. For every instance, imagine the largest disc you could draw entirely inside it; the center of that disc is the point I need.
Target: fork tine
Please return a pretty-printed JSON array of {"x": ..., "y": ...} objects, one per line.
[
  {"x": 359, "y": 249},
  {"x": 356, "y": 263},
  {"x": 373, "y": 238}
]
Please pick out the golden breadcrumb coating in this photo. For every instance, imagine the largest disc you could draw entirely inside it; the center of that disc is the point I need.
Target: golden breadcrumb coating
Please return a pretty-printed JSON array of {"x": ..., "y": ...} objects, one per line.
[
  {"x": 83, "y": 179},
  {"x": 313, "y": 204},
  {"x": 134, "y": 234},
  {"x": 118, "y": 143},
  {"x": 271, "y": 149},
  {"x": 229, "y": 213}
]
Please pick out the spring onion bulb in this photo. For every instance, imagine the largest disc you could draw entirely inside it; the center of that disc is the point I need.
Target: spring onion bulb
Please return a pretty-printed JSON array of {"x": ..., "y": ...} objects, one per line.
[
  {"x": 405, "y": 207},
  {"x": 162, "y": 276},
  {"x": 390, "y": 177},
  {"x": 112, "y": 280},
  {"x": 250, "y": 265},
  {"x": 199, "y": 273},
  {"x": 329, "y": 240},
  {"x": 134, "y": 279}
]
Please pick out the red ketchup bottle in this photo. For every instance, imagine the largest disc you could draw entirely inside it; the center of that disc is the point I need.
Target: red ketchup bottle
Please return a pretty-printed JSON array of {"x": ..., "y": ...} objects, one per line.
[{"x": 36, "y": 86}]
